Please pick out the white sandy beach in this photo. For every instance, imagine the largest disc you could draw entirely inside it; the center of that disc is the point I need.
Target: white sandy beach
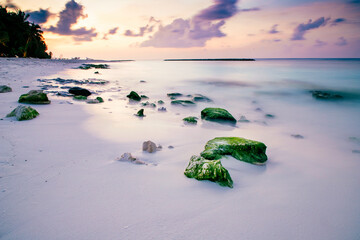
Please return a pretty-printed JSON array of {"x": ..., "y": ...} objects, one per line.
[{"x": 59, "y": 178}]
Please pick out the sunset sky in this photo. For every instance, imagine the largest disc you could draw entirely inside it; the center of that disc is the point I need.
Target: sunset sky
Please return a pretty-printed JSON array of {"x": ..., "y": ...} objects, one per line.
[{"x": 156, "y": 29}]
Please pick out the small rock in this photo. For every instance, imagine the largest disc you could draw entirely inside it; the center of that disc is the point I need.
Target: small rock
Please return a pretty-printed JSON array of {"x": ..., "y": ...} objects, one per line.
[
  {"x": 92, "y": 101},
  {"x": 170, "y": 147},
  {"x": 145, "y": 104},
  {"x": 96, "y": 72},
  {"x": 217, "y": 115},
  {"x": 34, "y": 97},
  {"x": 79, "y": 91},
  {"x": 298, "y": 136},
  {"x": 201, "y": 98},
  {"x": 149, "y": 146},
  {"x": 25, "y": 86},
  {"x": 160, "y": 102},
  {"x": 174, "y": 95},
  {"x": 325, "y": 95},
  {"x": 258, "y": 110},
  {"x": 144, "y": 97},
  {"x": 162, "y": 109},
  {"x": 184, "y": 103},
  {"x": 134, "y": 96},
  {"x": 269, "y": 116},
  {"x": 190, "y": 120},
  {"x": 140, "y": 113},
  {"x": 23, "y": 113},
  {"x": 142, "y": 81},
  {"x": 109, "y": 99},
  {"x": 243, "y": 119},
  {"x": 5, "y": 89},
  {"x": 79, "y": 97}
]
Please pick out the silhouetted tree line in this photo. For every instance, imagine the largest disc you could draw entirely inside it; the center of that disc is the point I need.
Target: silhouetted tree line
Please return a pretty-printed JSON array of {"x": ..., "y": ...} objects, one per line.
[{"x": 19, "y": 37}]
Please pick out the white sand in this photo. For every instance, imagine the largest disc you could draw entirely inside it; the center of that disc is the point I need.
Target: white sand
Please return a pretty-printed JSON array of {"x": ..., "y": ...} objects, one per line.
[{"x": 59, "y": 180}]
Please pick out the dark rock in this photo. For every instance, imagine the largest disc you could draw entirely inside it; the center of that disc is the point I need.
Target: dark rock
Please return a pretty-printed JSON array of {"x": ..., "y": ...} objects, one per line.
[
  {"x": 174, "y": 95},
  {"x": 269, "y": 116},
  {"x": 240, "y": 148},
  {"x": 140, "y": 113},
  {"x": 160, "y": 102},
  {"x": 203, "y": 169},
  {"x": 243, "y": 119},
  {"x": 144, "y": 97},
  {"x": 184, "y": 103},
  {"x": 325, "y": 95},
  {"x": 79, "y": 97},
  {"x": 96, "y": 66},
  {"x": 298, "y": 136},
  {"x": 78, "y": 91},
  {"x": 149, "y": 147},
  {"x": 201, "y": 98},
  {"x": 217, "y": 115},
  {"x": 191, "y": 120},
  {"x": 96, "y": 72},
  {"x": 146, "y": 104},
  {"x": 134, "y": 96},
  {"x": 23, "y": 113},
  {"x": 162, "y": 109},
  {"x": 142, "y": 81},
  {"x": 34, "y": 97},
  {"x": 170, "y": 147},
  {"x": 5, "y": 89}
]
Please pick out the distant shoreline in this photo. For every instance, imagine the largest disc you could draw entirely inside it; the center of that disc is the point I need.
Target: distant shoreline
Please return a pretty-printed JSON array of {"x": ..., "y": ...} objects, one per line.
[{"x": 212, "y": 59}]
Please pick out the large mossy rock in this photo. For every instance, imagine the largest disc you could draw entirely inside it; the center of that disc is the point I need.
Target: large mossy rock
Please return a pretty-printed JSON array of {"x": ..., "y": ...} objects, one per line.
[
  {"x": 240, "y": 148},
  {"x": 217, "y": 115},
  {"x": 23, "y": 113},
  {"x": 34, "y": 97},
  {"x": 78, "y": 91},
  {"x": 5, "y": 89},
  {"x": 134, "y": 96},
  {"x": 203, "y": 169}
]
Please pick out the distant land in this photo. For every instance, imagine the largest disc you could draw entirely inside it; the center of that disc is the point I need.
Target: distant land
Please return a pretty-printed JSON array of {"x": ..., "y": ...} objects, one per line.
[{"x": 212, "y": 59}]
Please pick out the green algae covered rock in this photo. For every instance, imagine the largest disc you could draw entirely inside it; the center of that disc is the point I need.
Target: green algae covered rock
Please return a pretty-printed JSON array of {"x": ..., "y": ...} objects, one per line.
[
  {"x": 23, "y": 113},
  {"x": 134, "y": 96},
  {"x": 217, "y": 115},
  {"x": 182, "y": 102},
  {"x": 5, "y": 89},
  {"x": 240, "y": 148},
  {"x": 191, "y": 120},
  {"x": 34, "y": 97},
  {"x": 96, "y": 66},
  {"x": 202, "y": 169},
  {"x": 100, "y": 99},
  {"x": 140, "y": 113},
  {"x": 79, "y": 97}
]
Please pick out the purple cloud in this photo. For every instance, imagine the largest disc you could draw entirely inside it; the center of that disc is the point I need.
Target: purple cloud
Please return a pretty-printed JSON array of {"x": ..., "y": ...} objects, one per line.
[
  {"x": 273, "y": 29},
  {"x": 250, "y": 9},
  {"x": 194, "y": 32},
  {"x": 112, "y": 31},
  {"x": 337, "y": 21},
  {"x": 68, "y": 17},
  {"x": 302, "y": 28},
  {"x": 222, "y": 9},
  {"x": 40, "y": 16},
  {"x": 320, "y": 43},
  {"x": 10, "y": 4},
  {"x": 143, "y": 30},
  {"x": 341, "y": 42}
]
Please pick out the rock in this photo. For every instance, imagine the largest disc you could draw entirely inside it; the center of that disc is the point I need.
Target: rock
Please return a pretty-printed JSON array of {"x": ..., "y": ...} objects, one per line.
[
  {"x": 184, "y": 103},
  {"x": 269, "y": 116},
  {"x": 142, "y": 81},
  {"x": 243, "y": 119},
  {"x": 79, "y": 91},
  {"x": 174, "y": 95},
  {"x": 217, "y": 115},
  {"x": 134, "y": 96},
  {"x": 96, "y": 66},
  {"x": 79, "y": 97},
  {"x": 145, "y": 104},
  {"x": 202, "y": 169},
  {"x": 201, "y": 98},
  {"x": 162, "y": 109},
  {"x": 34, "y": 97},
  {"x": 127, "y": 157},
  {"x": 100, "y": 99},
  {"x": 160, "y": 102},
  {"x": 92, "y": 101},
  {"x": 97, "y": 72},
  {"x": 258, "y": 109},
  {"x": 5, "y": 89},
  {"x": 144, "y": 97},
  {"x": 298, "y": 136},
  {"x": 23, "y": 113},
  {"x": 140, "y": 113},
  {"x": 325, "y": 95},
  {"x": 240, "y": 148},
  {"x": 149, "y": 146},
  {"x": 170, "y": 147},
  {"x": 191, "y": 120}
]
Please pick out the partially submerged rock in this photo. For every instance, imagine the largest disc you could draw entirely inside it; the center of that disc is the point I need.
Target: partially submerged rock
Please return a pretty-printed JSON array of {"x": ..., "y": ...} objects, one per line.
[
  {"x": 174, "y": 95},
  {"x": 5, "y": 89},
  {"x": 100, "y": 99},
  {"x": 162, "y": 109},
  {"x": 201, "y": 98},
  {"x": 23, "y": 113},
  {"x": 203, "y": 169},
  {"x": 79, "y": 91},
  {"x": 134, "y": 96},
  {"x": 127, "y": 157},
  {"x": 144, "y": 97},
  {"x": 191, "y": 120},
  {"x": 96, "y": 66},
  {"x": 148, "y": 104},
  {"x": 140, "y": 113},
  {"x": 243, "y": 119},
  {"x": 79, "y": 97},
  {"x": 240, "y": 148},
  {"x": 92, "y": 101},
  {"x": 149, "y": 147},
  {"x": 217, "y": 115},
  {"x": 325, "y": 95},
  {"x": 184, "y": 103},
  {"x": 34, "y": 97},
  {"x": 298, "y": 136},
  {"x": 160, "y": 102}
]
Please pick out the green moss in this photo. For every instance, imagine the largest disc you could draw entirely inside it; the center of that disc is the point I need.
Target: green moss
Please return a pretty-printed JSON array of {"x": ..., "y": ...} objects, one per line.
[
  {"x": 79, "y": 97},
  {"x": 202, "y": 169},
  {"x": 240, "y": 148},
  {"x": 134, "y": 96},
  {"x": 192, "y": 120},
  {"x": 34, "y": 97},
  {"x": 218, "y": 115},
  {"x": 23, "y": 113},
  {"x": 182, "y": 102},
  {"x": 100, "y": 99}
]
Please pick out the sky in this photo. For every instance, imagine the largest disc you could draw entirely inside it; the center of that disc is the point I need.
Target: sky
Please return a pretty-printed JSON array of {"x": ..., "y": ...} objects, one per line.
[{"x": 158, "y": 29}]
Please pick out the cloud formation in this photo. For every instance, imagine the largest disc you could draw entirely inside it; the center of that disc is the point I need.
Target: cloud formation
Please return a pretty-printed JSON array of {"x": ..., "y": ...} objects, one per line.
[
  {"x": 249, "y": 9},
  {"x": 194, "y": 32},
  {"x": 143, "y": 30},
  {"x": 337, "y": 21},
  {"x": 70, "y": 16},
  {"x": 341, "y": 42},
  {"x": 302, "y": 28},
  {"x": 320, "y": 43},
  {"x": 10, "y": 4},
  {"x": 112, "y": 31},
  {"x": 273, "y": 29},
  {"x": 40, "y": 16}
]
